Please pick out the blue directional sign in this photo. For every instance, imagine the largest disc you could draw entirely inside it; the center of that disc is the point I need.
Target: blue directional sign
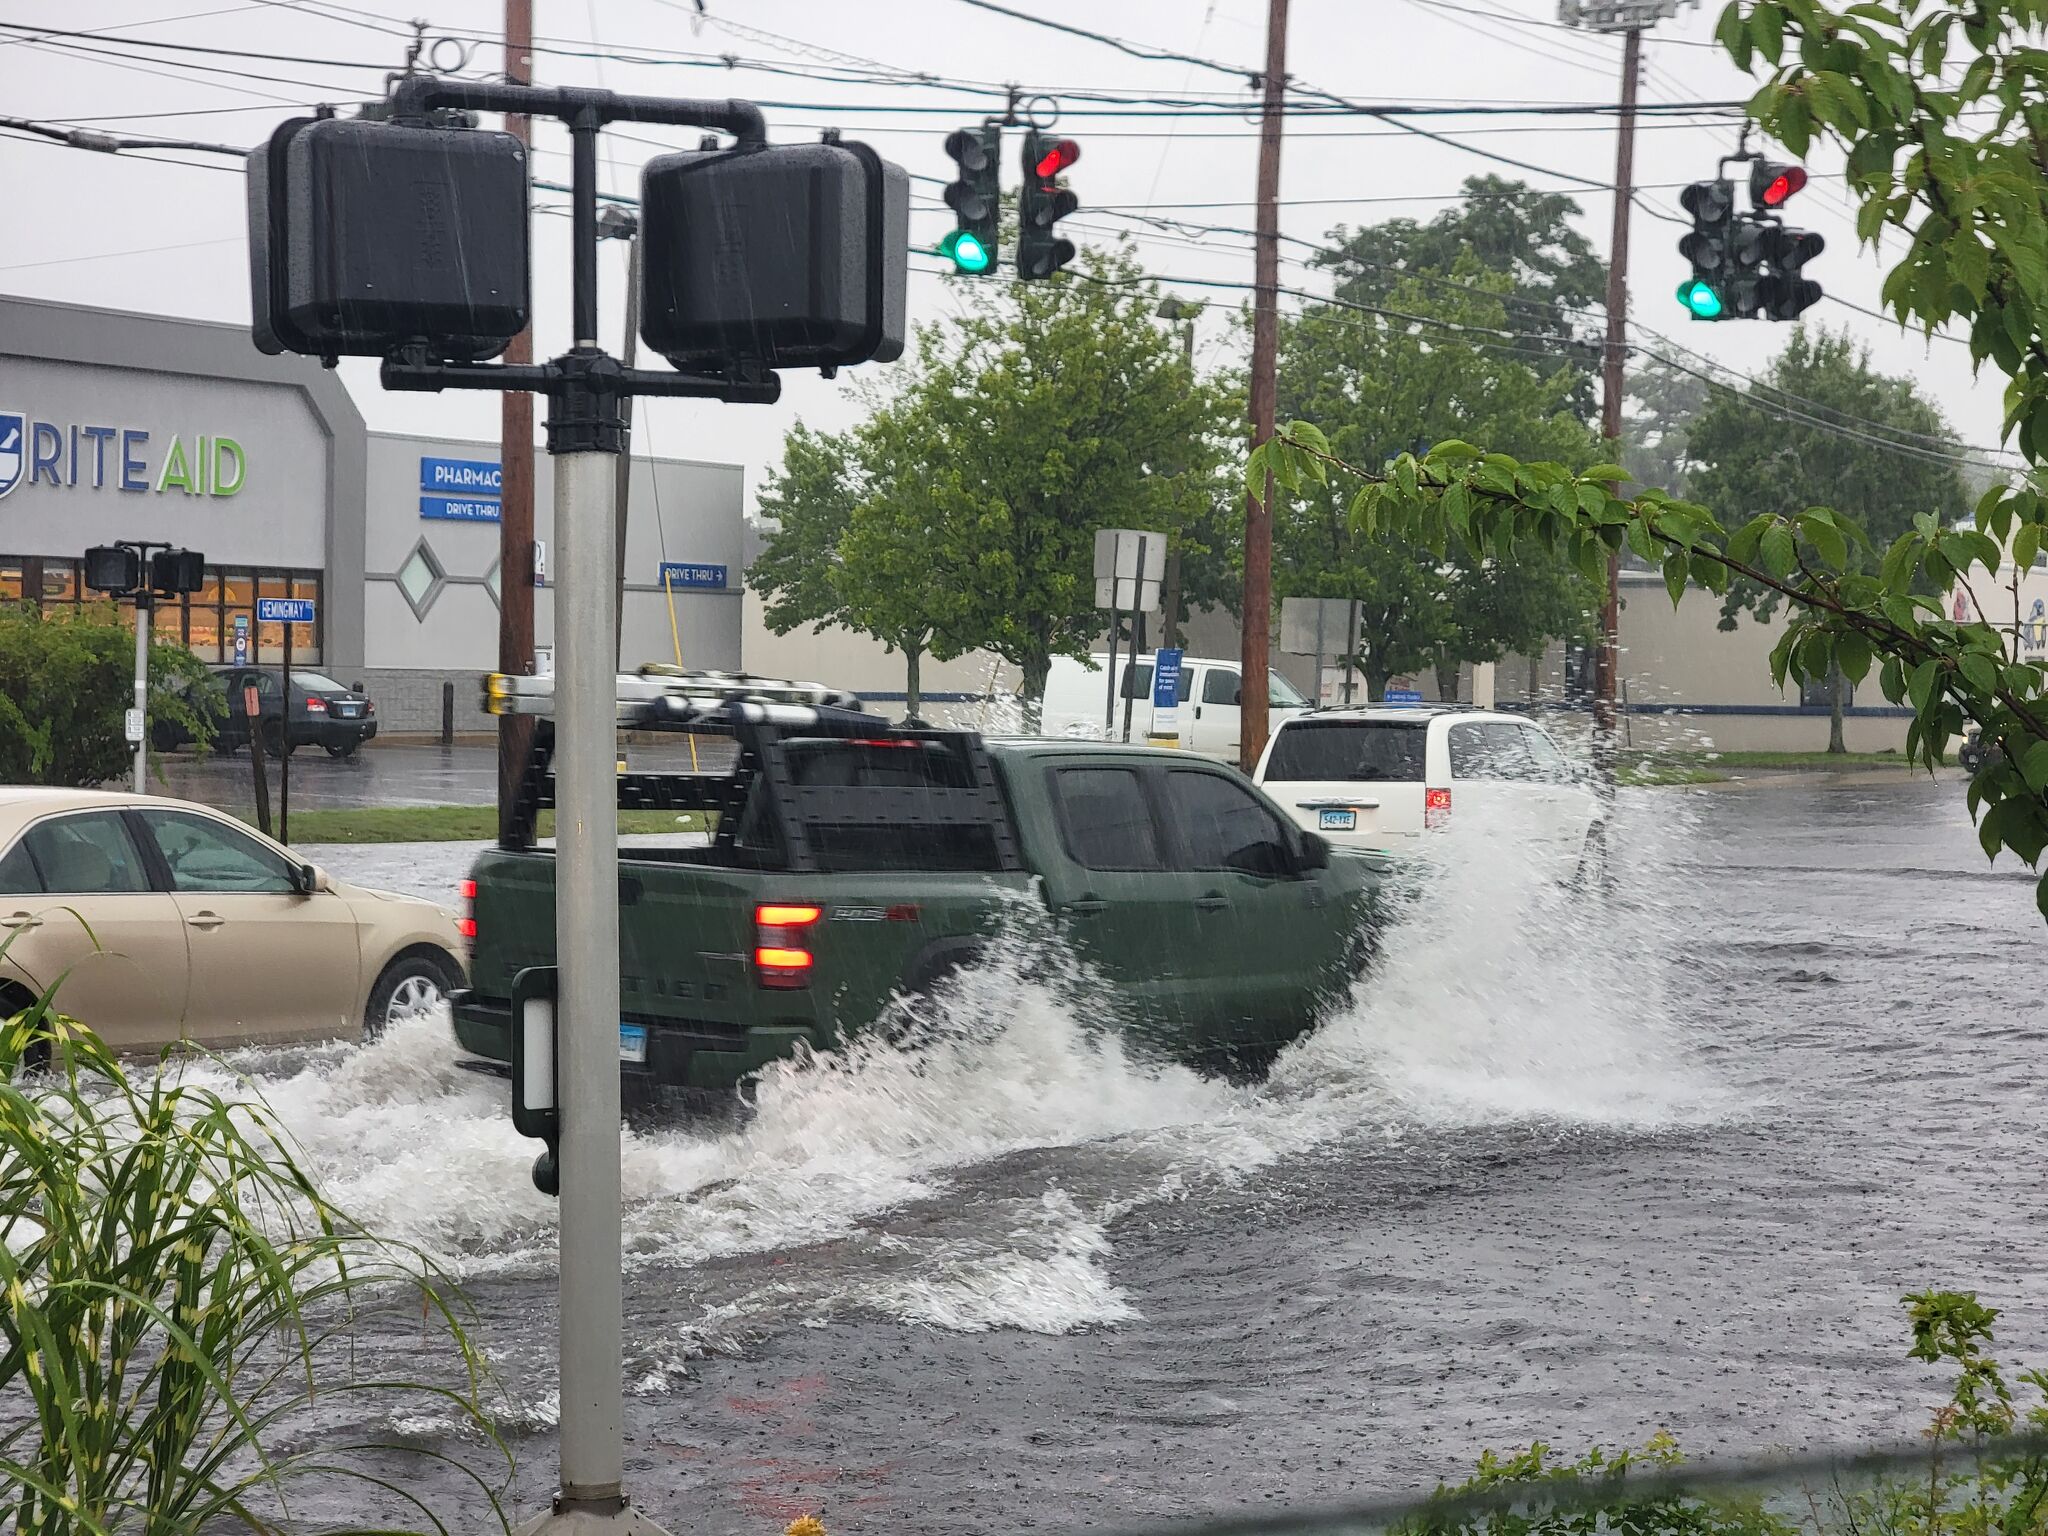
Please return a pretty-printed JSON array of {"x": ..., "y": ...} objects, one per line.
[
  {"x": 682, "y": 573},
  {"x": 241, "y": 657},
  {"x": 461, "y": 477},
  {"x": 1401, "y": 696},
  {"x": 1166, "y": 678},
  {"x": 458, "y": 509},
  {"x": 284, "y": 610}
]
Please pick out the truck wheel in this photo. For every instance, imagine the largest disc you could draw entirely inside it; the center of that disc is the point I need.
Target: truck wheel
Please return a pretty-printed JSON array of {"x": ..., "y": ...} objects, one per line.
[{"x": 412, "y": 985}]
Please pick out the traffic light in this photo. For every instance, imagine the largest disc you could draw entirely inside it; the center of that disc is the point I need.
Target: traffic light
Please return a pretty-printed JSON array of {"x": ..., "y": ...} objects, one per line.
[
  {"x": 975, "y": 196},
  {"x": 1708, "y": 248},
  {"x": 113, "y": 568},
  {"x": 1771, "y": 185},
  {"x": 1784, "y": 294},
  {"x": 1042, "y": 204}
]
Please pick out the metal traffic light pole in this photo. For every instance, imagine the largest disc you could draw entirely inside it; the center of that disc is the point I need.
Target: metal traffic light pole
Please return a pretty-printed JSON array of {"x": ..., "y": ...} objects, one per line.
[{"x": 585, "y": 436}]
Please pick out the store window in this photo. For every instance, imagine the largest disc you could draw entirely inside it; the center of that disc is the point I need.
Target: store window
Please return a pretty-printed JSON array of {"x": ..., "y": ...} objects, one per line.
[{"x": 204, "y": 620}]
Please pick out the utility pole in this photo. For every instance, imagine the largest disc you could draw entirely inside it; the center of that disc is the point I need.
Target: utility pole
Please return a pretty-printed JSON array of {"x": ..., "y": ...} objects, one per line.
[
  {"x": 1631, "y": 18},
  {"x": 515, "y": 469},
  {"x": 1258, "y": 509}
]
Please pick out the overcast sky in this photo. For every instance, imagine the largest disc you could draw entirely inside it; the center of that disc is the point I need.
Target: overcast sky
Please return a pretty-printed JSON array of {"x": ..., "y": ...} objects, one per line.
[{"x": 165, "y": 237}]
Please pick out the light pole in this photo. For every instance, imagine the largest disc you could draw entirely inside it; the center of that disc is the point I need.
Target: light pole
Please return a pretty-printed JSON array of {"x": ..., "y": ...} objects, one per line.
[
  {"x": 1174, "y": 309},
  {"x": 128, "y": 569}
]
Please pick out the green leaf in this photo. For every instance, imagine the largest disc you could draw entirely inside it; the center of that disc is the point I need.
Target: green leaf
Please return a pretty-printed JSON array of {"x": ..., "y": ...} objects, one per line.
[
  {"x": 1309, "y": 435},
  {"x": 1732, "y": 33},
  {"x": 1605, "y": 473},
  {"x": 1776, "y": 549},
  {"x": 2026, "y": 546},
  {"x": 1853, "y": 655},
  {"x": 1892, "y": 678},
  {"x": 2034, "y": 767},
  {"x": 1979, "y": 670},
  {"x": 1742, "y": 548},
  {"x": 2041, "y": 895},
  {"x": 1826, "y": 538},
  {"x": 1674, "y": 577},
  {"x": 1920, "y": 685},
  {"x": 1640, "y": 541}
]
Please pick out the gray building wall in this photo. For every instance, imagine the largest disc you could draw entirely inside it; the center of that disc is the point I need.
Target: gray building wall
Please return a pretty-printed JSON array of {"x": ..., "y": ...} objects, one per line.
[
  {"x": 302, "y": 436},
  {"x": 678, "y": 510}
]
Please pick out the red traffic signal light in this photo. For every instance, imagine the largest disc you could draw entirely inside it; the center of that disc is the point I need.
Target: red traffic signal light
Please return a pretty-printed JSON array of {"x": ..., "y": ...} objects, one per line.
[
  {"x": 1771, "y": 185},
  {"x": 1056, "y": 157}
]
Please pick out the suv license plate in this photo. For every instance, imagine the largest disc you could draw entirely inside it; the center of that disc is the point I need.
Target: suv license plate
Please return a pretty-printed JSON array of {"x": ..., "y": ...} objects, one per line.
[
  {"x": 633, "y": 1042},
  {"x": 1336, "y": 821}
]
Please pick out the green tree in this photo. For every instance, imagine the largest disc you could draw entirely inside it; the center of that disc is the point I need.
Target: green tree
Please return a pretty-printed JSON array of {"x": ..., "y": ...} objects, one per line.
[
  {"x": 1048, "y": 411},
  {"x": 66, "y": 684},
  {"x": 1663, "y": 402},
  {"x": 1778, "y": 447},
  {"x": 1380, "y": 386},
  {"x": 1556, "y": 282},
  {"x": 854, "y": 526}
]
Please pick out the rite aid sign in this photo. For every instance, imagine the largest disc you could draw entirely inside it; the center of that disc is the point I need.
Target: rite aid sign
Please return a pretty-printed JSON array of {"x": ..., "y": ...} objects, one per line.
[{"x": 130, "y": 459}]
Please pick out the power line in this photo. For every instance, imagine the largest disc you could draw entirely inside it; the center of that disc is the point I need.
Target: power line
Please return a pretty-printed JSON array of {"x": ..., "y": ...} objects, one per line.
[{"x": 1121, "y": 45}]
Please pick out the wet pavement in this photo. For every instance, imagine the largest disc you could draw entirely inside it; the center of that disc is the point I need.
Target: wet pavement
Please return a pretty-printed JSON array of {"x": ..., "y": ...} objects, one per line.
[
  {"x": 400, "y": 774},
  {"x": 1567, "y": 1170}
]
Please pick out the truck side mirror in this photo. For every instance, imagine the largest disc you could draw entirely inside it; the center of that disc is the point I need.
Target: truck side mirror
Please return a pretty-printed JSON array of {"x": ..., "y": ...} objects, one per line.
[{"x": 1315, "y": 851}]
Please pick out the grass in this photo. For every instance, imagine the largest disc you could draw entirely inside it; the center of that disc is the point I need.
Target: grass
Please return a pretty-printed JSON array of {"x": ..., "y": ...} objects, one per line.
[
  {"x": 1660, "y": 768},
  {"x": 453, "y": 824}
]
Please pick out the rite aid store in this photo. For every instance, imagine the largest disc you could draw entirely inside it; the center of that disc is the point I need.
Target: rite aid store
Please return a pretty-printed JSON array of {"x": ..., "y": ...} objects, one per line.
[{"x": 125, "y": 426}]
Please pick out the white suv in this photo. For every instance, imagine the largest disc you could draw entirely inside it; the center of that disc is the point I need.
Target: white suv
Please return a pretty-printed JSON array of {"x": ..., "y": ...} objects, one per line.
[{"x": 1383, "y": 775}]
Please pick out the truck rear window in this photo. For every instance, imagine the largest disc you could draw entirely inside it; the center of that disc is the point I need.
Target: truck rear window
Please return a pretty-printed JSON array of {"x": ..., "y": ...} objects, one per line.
[
  {"x": 1349, "y": 751},
  {"x": 859, "y": 801}
]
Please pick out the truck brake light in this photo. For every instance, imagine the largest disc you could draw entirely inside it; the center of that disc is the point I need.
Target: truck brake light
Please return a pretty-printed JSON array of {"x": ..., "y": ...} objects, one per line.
[
  {"x": 1436, "y": 809},
  {"x": 466, "y": 924},
  {"x": 781, "y": 960}
]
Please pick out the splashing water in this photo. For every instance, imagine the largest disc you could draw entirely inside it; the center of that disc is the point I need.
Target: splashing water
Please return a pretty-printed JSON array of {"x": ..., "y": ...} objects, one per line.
[{"x": 971, "y": 1183}]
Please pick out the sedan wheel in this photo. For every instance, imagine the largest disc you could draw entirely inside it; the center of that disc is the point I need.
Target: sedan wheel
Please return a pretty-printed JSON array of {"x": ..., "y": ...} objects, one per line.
[{"x": 412, "y": 988}]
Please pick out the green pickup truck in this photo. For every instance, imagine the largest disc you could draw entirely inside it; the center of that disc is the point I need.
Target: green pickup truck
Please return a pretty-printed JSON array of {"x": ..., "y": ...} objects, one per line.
[{"x": 856, "y": 864}]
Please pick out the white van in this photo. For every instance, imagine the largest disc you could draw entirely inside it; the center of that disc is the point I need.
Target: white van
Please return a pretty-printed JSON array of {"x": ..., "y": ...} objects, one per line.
[
  {"x": 1077, "y": 693},
  {"x": 1381, "y": 776}
]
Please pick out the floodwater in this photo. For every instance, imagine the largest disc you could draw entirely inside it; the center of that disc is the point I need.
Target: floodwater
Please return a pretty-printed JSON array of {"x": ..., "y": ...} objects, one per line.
[{"x": 1567, "y": 1170}]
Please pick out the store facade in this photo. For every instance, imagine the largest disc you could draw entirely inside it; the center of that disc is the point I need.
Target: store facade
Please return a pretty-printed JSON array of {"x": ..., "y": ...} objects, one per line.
[{"x": 124, "y": 426}]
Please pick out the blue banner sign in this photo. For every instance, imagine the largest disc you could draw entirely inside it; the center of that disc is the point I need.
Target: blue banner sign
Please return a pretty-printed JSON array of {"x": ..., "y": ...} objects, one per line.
[
  {"x": 679, "y": 573},
  {"x": 462, "y": 477},
  {"x": 458, "y": 509},
  {"x": 1401, "y": 696},
  {"x": 284, "y": 610},
  {"x": 1166, "y": 679}
]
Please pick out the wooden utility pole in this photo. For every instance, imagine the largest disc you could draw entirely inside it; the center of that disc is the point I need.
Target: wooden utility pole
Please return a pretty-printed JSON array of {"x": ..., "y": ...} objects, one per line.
[
  {"x": 1607, "y": 664},
  {"x": 515, "y": 468},
  {"x": 1258, "y": 509}
]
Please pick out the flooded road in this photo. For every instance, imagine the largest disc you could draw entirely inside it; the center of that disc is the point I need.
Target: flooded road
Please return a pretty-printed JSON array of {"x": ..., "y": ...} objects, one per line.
[{"x": 1565, "y": 1170}]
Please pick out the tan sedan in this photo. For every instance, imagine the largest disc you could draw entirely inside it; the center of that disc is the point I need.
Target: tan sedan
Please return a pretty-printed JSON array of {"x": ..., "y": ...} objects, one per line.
[{"x": 161, "y": 920}]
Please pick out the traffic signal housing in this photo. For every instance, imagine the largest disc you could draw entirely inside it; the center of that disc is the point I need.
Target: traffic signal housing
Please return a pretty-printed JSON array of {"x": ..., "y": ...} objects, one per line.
[
  {"x": 367, "y": 236},
  {"x": 1771, "y": 184},
  {"x": 785, "y": 255},
  {"x": 1783, "y": 293},
  {"x": 1709, "y": 248},
  {"x": 1042, "y": 203},
  {"x": 975, "y": 196}
]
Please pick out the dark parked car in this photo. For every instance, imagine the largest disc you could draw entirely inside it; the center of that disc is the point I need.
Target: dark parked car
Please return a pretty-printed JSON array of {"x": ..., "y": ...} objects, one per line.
[{"x": 323, "y": 713}]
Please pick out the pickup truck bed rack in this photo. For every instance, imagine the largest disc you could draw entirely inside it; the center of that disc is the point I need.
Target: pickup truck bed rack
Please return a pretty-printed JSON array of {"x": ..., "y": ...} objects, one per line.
[{"x": 776, "y": 726}]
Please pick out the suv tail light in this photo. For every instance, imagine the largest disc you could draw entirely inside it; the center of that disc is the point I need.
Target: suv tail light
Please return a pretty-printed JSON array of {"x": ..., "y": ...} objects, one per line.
[
  {"x": 1436, "y": 809},
  {"x": 466, "y": 924},
  {"x": 782, "y": 956}
]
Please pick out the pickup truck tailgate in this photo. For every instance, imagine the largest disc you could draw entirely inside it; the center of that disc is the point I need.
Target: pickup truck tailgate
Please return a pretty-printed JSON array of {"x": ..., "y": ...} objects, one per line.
[{"x": 690, "y": 937}]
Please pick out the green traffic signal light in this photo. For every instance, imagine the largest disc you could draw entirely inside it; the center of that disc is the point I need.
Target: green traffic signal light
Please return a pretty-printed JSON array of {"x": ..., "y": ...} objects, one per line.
[
  {"x": 965, "y": 251},
  {"x": 1699, "y": 296}
]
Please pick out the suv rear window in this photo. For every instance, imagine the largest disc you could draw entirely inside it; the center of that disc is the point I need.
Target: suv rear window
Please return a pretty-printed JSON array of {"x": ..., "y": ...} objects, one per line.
[{"x": 1367, "y": 751}]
